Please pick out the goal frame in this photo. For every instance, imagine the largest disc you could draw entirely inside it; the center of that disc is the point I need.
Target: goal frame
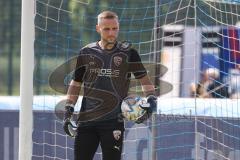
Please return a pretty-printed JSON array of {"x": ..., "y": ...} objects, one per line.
[{"x": 26, "y": 79}]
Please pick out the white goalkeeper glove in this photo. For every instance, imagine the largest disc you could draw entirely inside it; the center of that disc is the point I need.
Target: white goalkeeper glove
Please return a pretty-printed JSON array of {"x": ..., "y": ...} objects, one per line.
[
  {"x": 150, "y": 107},
  {"x": 69, "y": 125}
]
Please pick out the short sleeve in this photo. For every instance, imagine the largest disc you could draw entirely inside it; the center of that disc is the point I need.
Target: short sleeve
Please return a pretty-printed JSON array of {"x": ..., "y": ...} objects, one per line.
[
  {"x": 135, "y": 65},
  {"x": 80, "y": 68}
]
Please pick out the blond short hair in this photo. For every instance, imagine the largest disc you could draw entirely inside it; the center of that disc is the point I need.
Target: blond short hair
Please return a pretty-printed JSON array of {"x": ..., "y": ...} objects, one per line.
[{"x": 107, "y": 15}]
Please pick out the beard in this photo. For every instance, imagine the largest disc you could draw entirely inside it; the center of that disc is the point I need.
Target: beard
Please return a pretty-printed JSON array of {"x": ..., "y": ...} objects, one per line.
[{"x": 110, "y": 42}]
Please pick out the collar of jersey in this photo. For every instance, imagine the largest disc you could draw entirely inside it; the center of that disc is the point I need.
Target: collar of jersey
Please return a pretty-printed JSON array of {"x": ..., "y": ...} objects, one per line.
[{"x": 107, "y": 50}]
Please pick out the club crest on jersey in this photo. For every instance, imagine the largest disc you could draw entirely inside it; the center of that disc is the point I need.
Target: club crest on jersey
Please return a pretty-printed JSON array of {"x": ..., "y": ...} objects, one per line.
[
  {"x": 117, "y": 134},
  {"x": 117, "y": 60}
]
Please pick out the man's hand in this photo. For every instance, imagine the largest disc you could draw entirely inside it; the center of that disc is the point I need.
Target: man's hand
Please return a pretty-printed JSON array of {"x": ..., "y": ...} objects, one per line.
[
  {"x": 150, "y": 107},
  {"x": 152, "y": 100},
  {"x": 68, "y": 125}
]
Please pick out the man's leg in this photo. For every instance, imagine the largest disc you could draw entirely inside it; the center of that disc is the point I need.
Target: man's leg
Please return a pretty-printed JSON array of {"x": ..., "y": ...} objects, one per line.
[
  {"x": 86, "y": 143},
  {"x": 111, "y": 141}
]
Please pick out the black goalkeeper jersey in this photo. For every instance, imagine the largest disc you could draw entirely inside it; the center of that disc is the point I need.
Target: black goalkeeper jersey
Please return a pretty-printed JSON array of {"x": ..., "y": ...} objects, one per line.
[{"x": 105, "y": 75}]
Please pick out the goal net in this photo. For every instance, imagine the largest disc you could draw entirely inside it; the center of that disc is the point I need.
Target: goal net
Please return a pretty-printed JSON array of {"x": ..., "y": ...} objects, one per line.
[{"x": 191, "y": 51}]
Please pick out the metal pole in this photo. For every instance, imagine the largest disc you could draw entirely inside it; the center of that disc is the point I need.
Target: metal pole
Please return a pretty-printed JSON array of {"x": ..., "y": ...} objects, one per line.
[
  {"x": 26, "y": 80},
  {"x": 156, "y": 59},
  {"x": 195, "y": 117}
]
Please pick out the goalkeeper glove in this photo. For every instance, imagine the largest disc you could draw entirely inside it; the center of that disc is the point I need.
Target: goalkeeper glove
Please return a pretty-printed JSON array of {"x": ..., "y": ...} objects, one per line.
[
  {"x": 152, "y": 100},
  {"x": 69, "y": 126},
  {"x": 149, "y": 107}
]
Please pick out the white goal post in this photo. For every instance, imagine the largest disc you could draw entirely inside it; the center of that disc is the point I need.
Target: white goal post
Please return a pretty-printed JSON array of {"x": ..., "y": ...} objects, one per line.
[
  {"x": 187, "y": 37},
  {"x": 26, "y": 80}
]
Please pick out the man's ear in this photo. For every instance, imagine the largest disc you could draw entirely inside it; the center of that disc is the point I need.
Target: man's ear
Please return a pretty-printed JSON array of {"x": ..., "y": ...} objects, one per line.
[{"x": 98, "y": 28}]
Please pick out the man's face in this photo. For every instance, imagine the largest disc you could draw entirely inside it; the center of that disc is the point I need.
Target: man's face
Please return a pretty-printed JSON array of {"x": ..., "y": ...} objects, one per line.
[{"x": 108, "y": 30}]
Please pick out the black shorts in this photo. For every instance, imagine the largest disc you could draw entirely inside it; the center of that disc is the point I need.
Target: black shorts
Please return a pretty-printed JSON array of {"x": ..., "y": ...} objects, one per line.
[{"x": 109, "y": 134}]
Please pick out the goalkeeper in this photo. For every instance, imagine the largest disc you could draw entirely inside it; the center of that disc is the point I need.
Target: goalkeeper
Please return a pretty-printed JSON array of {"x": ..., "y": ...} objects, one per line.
[{"x": 104, "y": 68}]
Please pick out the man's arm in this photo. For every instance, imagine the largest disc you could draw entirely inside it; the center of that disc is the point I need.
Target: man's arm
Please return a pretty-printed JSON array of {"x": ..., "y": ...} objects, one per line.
[
  {"x": 147, "y": 86},
  {"x": 73, "y": 92},
  {"x": 72, "y": 97}
]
